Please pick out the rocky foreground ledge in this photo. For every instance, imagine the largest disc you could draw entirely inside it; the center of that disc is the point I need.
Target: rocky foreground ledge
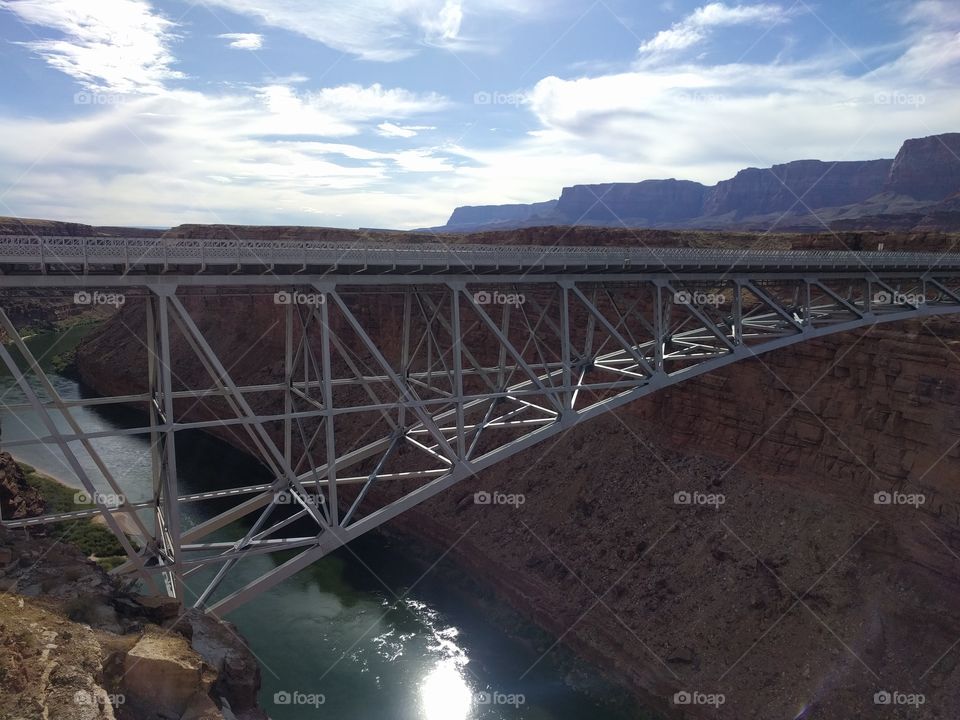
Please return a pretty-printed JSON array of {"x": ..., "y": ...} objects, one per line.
[{"x": 76, "y": 645}]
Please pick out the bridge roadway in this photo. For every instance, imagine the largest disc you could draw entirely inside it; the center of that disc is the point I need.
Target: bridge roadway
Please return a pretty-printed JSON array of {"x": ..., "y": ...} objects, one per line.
[{"x": 59, "y": 256}]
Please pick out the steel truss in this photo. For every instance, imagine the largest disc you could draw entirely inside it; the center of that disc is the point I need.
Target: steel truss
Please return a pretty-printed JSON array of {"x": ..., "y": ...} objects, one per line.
[{"x": 384, "y": 391}]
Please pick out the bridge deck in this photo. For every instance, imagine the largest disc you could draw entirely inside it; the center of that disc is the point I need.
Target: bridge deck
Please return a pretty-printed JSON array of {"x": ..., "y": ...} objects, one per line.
[{"x": 28, "y": 255}]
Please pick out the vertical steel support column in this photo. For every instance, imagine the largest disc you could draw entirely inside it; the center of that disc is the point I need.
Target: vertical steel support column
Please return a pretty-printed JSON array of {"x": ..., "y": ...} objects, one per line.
[
  {"x": 806, "y": 303},
  {"x": 156, "y": 462},
  {"x": 457, "y": 351},
  {"x": 565, "y": 340},
  {"x": 170, "y": 486},
  {"x": 327, "y": 367},
  {"x": 502, "y": 357},
  {"x": 288, "y": 391},
  {"x": 405, "y": 351},
  {"x": 737, "y": 313},
  {"x": 658, "y": 327},
  {"x": 149, "y": 311}
]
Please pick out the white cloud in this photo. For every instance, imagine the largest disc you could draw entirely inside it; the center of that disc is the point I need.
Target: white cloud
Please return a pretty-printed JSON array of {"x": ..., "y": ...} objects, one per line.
[
  {"x": 939, "y": 12},
  {"x": 371, "y": 101},
  {"x": 445, "y": 25},
  {"x": 183, "y": 156},
  {"x": 695, "y": 28},
  {"x": 337, "y": 111},
  {"x": 243, "y": 41},
  {"x": 381, "y": 30},
  {"x": 389, "y": 129},
  {"x": 704, "y": 122},
  {"x": 116, "y": 47}
]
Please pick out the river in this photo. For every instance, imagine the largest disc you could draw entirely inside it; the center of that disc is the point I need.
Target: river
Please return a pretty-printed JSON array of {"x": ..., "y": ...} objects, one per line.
[{"x": 372, "y": 632}]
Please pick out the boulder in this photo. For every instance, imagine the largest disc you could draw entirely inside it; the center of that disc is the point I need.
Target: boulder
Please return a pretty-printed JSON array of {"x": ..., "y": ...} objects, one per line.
[
  {"x": 201, "y": 707},
  {"x": 162, "y": 674},
  {"x": 222, "y": 648}
]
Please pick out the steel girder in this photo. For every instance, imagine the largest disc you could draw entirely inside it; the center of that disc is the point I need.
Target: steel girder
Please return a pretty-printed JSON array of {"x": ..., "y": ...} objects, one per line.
[{"x": 376, "y": 398}]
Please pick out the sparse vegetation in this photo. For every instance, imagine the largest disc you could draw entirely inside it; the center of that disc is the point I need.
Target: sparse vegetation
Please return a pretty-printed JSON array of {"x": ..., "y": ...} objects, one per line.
[
  {"x": 91, "y": 538},
  {"x": 109, "y": 563},
  {"x": 82, "y": 609},
  {"x": 65, "y": 364}
]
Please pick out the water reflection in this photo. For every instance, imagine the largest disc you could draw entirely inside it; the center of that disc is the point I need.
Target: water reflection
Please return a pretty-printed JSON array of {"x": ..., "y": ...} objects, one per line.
[{"x": 444, "y": 693}]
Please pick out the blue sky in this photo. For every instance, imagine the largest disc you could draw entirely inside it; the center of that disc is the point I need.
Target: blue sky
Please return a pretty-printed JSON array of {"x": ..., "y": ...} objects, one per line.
[{"x": 389, "y": 113}]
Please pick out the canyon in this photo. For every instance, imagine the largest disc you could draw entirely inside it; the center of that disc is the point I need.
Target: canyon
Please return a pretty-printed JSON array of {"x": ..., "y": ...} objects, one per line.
[
  {"x": 800, "y": 597},
  {"x": 910, "y": 191}
]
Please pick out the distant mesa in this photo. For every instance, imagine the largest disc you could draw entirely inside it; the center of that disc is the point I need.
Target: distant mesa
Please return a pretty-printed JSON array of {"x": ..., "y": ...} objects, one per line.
[
  {"x": 797, "y": 185},
  {"x": 652, "y": 201},
  {"x": 486, "y": 214},
  {"x": 920, "y": 188}
]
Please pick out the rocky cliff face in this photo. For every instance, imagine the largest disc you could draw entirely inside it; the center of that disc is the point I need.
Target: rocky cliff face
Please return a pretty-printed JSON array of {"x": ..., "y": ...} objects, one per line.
[
  {"x": 651, "y": 202},
  {"x": 17, "y": 499},
  {"x": 927, "y": 168},
  {"x": 873, "y": 411},
  {"x": 471, "y": 216},
  {"x": 797, "y": 186},
  {"x": 799, "y": 596}
]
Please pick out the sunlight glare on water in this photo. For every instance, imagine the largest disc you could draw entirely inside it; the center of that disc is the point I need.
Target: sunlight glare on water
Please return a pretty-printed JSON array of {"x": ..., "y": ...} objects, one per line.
[{"x": 445, "y": 695}]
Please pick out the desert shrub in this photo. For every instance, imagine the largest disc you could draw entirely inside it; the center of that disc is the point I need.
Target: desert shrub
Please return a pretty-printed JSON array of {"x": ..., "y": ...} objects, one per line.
[{"x": 82, "y": 609}]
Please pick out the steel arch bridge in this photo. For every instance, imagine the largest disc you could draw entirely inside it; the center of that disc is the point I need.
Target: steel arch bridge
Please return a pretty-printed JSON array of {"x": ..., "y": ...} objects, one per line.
[{"x": 403, "y": 368}]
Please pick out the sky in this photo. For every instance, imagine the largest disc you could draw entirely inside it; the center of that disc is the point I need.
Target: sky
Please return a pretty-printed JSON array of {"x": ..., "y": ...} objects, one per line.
[{"x": 390, "y": 113}]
